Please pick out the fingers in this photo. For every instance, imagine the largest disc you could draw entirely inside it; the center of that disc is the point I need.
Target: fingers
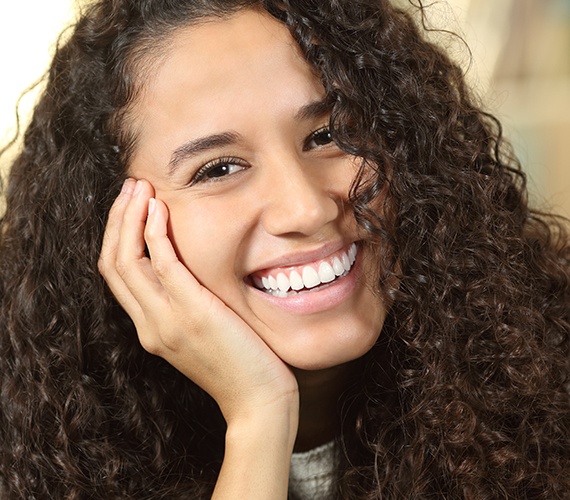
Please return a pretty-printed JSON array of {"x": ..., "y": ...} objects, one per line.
[
  {"x": 134, "y": 220},
  {"x": 140, "y": 284},
  {"x": 114, "y": 222},
  {"x": 111, "y": 237},
  {"x": 172, "y": 274},
  {"x": 123, "y": 262}
]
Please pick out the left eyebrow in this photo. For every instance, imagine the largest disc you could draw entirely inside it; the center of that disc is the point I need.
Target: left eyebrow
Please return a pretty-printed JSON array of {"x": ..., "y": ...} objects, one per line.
[{"x": 315, "y": 109}]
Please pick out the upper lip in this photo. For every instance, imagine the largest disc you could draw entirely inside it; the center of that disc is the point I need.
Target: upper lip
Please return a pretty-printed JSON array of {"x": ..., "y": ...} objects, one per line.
[{"x": 302, "y": 258}]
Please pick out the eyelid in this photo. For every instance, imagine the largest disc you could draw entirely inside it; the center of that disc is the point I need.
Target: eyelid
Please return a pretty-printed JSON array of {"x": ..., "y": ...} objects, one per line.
[
  {"x": 312, "y": 135},
  {"x": 200, "y": 174}
]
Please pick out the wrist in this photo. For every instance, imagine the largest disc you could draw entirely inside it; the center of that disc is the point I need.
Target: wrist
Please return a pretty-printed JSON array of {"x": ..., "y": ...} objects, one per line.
[
  {"x": 276, "y": 421},
  {"x": 257, "y": 458}
]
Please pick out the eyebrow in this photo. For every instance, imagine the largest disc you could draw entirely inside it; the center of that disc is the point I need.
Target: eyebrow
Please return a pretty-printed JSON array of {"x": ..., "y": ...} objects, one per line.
[
  {"x": 197, "y": 146},
  {"x": 315, "y": 109}
]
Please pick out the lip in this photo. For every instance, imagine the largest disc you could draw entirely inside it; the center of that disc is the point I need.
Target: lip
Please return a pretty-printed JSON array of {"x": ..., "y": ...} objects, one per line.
[
  {"x": 302, "y": 258},
  {"x": 313, "y": 301}
]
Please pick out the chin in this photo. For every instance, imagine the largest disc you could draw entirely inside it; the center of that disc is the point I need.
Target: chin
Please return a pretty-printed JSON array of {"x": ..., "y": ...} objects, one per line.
[{"x": 328, "y": 349}]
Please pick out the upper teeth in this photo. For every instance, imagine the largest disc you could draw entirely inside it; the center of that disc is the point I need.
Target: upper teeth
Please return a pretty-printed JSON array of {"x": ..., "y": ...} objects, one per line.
[{"x": 307, "y": 276}]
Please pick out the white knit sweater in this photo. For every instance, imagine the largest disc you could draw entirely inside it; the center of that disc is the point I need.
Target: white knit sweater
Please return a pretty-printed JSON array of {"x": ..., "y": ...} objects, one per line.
[{"x": 312, "y": 473}]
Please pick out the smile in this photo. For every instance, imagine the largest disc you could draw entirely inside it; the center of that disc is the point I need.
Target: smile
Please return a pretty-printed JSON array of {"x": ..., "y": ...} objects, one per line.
[{"x": 311, "y": 277}]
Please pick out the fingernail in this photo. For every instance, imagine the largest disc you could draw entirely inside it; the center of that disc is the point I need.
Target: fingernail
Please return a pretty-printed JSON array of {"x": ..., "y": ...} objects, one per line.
[
  {"x": 151, "y": 205},
  {"x": 126, "y": 188},
  {"x": 138, "y": 187}
]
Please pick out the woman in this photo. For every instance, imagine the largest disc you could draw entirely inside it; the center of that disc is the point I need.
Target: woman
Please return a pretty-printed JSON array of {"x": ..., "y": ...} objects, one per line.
[{"x": 254, "y": 249}]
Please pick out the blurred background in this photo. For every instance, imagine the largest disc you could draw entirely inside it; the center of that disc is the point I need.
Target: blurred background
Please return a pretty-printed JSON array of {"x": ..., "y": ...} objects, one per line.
[{"x": 519, "y": 66}]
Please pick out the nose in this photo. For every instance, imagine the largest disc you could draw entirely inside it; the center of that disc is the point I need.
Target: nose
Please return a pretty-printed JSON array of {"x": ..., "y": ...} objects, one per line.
[{"x": 297, "y": 200}]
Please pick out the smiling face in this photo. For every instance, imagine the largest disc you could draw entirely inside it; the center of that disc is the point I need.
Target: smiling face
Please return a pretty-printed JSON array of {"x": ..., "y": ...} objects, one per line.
[{"x": 232, "y": 133}]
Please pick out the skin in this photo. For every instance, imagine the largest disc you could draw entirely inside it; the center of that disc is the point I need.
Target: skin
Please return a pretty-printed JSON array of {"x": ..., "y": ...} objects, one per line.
[{"x": 284, "y": 196}]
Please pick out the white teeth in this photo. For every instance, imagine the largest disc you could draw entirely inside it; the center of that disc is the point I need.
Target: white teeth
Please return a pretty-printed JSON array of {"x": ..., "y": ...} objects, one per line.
[
  {"x": 337, "y": 266},
  {"x": 352, "y": 253},
  {"x": 326, "y": 273},
  {"x": 345, "y": 262},
  {"x": 296, "y": 281},
  {"x": 310, "y": 277},
  {"x": 283, "y": 282}
]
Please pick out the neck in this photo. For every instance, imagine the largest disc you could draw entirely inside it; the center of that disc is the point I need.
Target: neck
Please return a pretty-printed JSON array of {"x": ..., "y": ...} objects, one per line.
[{"x": 319, "y": 419}]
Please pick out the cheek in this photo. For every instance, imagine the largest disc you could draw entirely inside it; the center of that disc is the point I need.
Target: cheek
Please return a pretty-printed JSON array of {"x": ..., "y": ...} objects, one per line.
[
  {"x": 197, "y": 236},
  {"x": 205, "y": 240}
]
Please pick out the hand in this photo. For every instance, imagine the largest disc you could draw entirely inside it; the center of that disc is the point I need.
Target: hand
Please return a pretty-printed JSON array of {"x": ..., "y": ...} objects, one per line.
[{"x": 182, "y": 321}]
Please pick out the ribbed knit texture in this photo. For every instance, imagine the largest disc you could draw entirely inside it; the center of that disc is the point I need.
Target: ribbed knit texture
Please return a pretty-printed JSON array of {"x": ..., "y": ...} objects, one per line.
[{"x": 312, "y": 473}]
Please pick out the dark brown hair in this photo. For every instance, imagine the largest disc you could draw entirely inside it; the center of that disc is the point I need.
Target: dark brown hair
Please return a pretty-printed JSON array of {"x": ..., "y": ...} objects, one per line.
[{"x": 464, "y": 396}]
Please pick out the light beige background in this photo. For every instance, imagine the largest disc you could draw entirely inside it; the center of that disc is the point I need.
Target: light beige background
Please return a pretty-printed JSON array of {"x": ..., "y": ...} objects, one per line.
[
  {"x": 520, "y": 68},
  {"x": 28, "y": 32}
]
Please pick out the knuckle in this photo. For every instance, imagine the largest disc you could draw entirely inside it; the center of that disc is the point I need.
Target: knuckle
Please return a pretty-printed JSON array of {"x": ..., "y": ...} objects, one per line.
[
  {"x": 162, "y": 344},
  {"x": 160, "y": 267},
  {"x": 121, "y": 267},
  {"x": 151, "y": 234},
  {"x": 150, "y": 344},
  {"x": 172, "y": 341},
  {"x": 102, "y": 265}
]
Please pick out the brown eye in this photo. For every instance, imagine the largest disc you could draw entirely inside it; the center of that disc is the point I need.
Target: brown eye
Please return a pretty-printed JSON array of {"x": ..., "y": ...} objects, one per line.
[
  {"x": 319, "y": 138},
  {"x": 222, "y": 170},
  {"x": 217, "y": 169}
]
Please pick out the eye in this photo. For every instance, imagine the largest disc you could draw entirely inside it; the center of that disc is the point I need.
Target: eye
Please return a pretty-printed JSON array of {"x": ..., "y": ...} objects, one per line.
[
  {"x": 217, "y": 169},
  {"x": 318, "y": 138}
]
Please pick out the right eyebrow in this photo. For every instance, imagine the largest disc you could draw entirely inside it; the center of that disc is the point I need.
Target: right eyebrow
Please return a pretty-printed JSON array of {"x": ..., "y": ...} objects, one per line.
[{"x": 200, "y": 145}]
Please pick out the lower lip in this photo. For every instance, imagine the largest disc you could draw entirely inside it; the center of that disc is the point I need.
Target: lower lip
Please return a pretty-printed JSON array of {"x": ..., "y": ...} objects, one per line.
[{"x": 318, "y": 300}]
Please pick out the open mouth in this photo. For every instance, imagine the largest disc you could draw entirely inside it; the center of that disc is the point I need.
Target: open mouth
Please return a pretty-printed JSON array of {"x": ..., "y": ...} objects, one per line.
[{"x": 308, "y": 278}]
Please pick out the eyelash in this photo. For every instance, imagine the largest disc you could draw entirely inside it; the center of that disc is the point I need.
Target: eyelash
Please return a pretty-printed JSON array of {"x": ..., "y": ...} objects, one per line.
[
  {"x": 314, "y": 134},
  {"x": 200, "y": 175}
]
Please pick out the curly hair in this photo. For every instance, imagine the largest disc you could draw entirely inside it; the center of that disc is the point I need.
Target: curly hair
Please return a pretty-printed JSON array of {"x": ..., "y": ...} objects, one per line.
[{"x": 464, "y": 395}]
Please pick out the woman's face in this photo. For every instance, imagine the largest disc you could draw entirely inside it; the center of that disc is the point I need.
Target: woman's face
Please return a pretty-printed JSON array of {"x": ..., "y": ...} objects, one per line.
[{"x": 232, "y": 133}]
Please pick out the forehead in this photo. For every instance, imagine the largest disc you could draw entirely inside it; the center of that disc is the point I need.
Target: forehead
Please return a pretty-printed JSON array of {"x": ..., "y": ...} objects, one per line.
[
  {"x": 224, "y": 73},
  {"x": 229, "y": 41}
]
